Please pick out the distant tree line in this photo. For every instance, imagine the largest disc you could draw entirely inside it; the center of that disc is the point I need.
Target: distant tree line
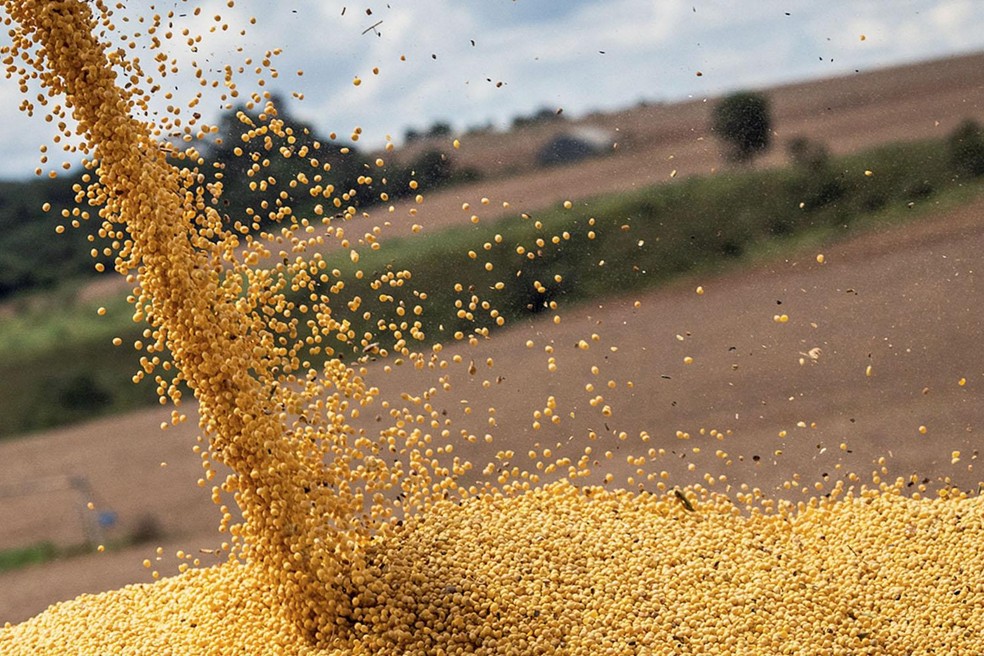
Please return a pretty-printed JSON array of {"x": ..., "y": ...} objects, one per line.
[
  {"x": 442, "y": 128},
  {"x": 437, "y": 129}
]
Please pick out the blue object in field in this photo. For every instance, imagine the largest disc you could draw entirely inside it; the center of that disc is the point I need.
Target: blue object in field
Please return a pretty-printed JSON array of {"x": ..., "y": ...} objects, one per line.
[{"x": 107, "y": 519}]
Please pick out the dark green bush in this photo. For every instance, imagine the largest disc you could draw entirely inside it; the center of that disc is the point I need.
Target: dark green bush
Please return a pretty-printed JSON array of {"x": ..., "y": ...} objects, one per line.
[
  {"x": 743, "y": 122},
  {"x": 966, "y": 146}
]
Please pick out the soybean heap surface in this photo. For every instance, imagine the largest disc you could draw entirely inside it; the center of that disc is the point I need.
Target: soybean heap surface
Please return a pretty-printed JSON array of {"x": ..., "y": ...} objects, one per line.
[{"x": 386, "y": 542}]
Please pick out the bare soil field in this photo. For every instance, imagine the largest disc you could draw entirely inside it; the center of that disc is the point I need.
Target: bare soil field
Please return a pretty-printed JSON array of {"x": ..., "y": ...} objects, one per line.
[
  {"x": 654, "y": 142},
  {"x": 903, "y": 301}
]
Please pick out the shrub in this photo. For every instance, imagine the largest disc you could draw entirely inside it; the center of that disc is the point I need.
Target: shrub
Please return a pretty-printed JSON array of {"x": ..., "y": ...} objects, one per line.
[
  {"x": 966, "y": 147},
  {"x": 742, "y": 121}
]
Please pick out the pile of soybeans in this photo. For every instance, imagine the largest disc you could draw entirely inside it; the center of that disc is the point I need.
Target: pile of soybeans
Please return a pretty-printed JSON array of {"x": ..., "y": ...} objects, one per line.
[{"x": 385, "y": 541}]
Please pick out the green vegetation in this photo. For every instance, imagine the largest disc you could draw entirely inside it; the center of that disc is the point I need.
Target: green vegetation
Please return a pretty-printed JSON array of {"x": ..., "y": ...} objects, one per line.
[
  {"x": 19, "y": 557},
  {"x": 59, "y": 366},
  {"x": 43, "y": 552},
  {"x": 32, "y": 257},
  {"x": 966, "y": 146},
  {"x": 46, "y": 551}
]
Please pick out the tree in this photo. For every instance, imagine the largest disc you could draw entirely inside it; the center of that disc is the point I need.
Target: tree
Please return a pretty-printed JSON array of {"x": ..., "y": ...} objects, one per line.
[
  {"x": 742, "y": 122},
  {"x": 966, "y": 146},
  {"x": 542, "y": 115}
]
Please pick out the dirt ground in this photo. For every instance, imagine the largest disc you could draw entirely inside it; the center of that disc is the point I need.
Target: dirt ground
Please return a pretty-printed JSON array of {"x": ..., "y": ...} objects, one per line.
[{"x": 903, "y": 301}]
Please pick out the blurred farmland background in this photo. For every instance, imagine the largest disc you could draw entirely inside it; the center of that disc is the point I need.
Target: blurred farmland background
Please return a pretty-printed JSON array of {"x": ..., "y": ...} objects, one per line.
[{"x": 882, "y": 171}]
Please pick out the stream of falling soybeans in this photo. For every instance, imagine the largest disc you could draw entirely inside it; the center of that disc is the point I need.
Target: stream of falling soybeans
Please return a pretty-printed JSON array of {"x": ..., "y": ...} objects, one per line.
[{"x": 359, "y": 542}]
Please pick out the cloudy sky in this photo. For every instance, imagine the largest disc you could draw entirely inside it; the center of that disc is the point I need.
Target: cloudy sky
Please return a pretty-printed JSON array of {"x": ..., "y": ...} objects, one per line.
[{"x": 473, "y": 62}]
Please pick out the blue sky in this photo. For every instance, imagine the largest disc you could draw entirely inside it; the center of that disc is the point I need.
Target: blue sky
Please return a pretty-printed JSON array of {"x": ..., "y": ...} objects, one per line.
[{"x": 582, "y": 55}]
